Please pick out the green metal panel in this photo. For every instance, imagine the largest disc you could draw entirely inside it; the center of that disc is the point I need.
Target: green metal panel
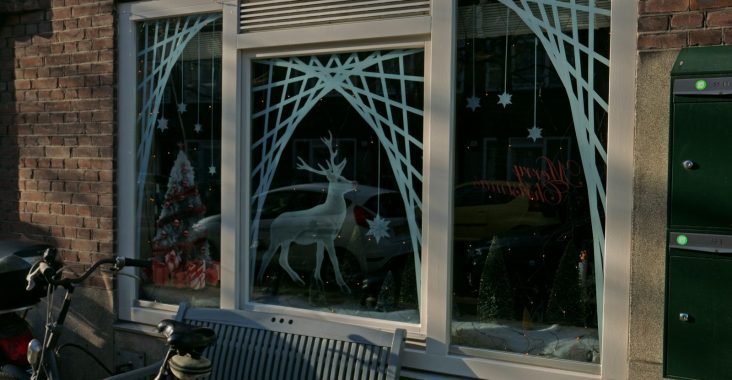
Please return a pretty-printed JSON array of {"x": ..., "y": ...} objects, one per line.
[
  {"x": 700, "y": 196},
  {"x": 701, "y": 61},
  {"x": 698, "y": 318},
  {"x": 698, "y": 347}
]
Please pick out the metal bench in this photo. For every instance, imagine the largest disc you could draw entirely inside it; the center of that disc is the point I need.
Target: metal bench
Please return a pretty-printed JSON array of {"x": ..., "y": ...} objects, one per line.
[{"x": 267, "y": 346}]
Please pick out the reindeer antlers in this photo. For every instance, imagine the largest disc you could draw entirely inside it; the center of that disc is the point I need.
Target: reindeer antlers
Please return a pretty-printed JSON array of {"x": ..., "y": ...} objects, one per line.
[{"x": 331, "y": 166}]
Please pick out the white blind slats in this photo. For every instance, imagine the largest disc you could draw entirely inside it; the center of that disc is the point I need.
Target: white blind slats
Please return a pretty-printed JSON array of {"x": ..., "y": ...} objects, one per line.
[{"x": 266, "y": 15}]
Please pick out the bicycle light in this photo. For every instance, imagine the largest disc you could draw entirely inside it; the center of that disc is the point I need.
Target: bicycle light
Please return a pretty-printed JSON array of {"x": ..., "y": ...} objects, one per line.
[{"x": 34, "y": 351}]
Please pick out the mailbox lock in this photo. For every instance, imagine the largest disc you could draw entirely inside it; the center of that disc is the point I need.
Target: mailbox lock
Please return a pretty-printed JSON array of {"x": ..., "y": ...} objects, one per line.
[
  {"x": 684, "y": 317},
  {"x": 688, "y": 164}
]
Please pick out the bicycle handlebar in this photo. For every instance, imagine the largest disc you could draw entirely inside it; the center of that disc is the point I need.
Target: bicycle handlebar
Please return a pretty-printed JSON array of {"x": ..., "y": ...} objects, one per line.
[{"x": 49, "y": 273}]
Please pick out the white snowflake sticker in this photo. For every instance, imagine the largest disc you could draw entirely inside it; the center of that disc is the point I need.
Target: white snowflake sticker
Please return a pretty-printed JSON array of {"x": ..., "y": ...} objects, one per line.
[
  {"x": 534, "y": 133},
  {"x": 504, "y": 99},
  {"x": 378, "y": 228},
  {"x": 473, "y": 102}
]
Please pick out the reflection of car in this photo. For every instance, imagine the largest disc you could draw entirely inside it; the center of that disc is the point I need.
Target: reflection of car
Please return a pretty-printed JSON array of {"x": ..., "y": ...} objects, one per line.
[
  {"x": 359, "y": 254},
  {"x": 485, "y": 208}
]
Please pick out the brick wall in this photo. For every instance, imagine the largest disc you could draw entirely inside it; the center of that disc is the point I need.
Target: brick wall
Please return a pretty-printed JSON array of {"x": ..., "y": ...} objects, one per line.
[
  {"x": 673, "y": 24},
  {"x": 57, "y": 124}
]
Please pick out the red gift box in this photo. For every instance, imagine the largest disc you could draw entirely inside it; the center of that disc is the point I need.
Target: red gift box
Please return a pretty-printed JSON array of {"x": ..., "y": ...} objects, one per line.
[
  {"x": 159, "y": 273},
  {"x": 179, "y": 279},
  {"x": 213, "y": 273},
  {"x": 196, "y": 274}
]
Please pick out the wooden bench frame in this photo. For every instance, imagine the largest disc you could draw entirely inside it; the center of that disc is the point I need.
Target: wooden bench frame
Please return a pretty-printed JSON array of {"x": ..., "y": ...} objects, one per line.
[{"x": 260, "y": 345}]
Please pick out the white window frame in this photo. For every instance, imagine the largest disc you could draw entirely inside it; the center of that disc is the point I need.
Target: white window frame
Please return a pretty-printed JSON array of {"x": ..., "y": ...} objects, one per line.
[
  {"x": 431, "y": 353},
  {"x": 130, "y": 308}
]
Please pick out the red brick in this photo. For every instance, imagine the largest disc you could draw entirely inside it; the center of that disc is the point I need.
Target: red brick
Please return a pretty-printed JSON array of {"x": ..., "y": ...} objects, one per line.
[
  {"x": 58, "y": 197},
  {"x": 689, "y": 20},
  {"x": 44, "y": 83},
  {"x": 663, "y": 6},
  {"x": 103, "y": 43},
  {"x": 103, "y": 20},
  {"x": 43, "y": 218},
  {"x": 84, "y": 10},
  {"x": 92, "y": 56},
  {"x": 55, "y": 60},
  {"x": 30, "y": 62},
  {"x": 70, "y": 35},
  {"x": 709, "y": 4},
  {"x": 59, "y": 13},
  {"x": 84, "y": 245},
  {"x": 719, "y": 18},
  {"x": 706, "y": 37},
  {"x": 58, "y": 151},
  {"x": 653, "y": 23},
  {"x": 728, "y": 36},
  {"x": 22, "y": 84}
]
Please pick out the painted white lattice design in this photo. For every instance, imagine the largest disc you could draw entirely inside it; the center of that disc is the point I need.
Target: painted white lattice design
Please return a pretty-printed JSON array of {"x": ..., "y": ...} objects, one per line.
[
  {"x": 162, "y": 45},
  {"x": 311, "y": 78},
  {"x": 574, "y": 58}
]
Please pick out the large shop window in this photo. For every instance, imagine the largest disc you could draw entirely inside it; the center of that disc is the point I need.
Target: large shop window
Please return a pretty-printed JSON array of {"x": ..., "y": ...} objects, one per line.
[
  {"x": 336, "y": 182},
  {"x": 178, "y": 158},
  {"x": 529, "y": 183}
]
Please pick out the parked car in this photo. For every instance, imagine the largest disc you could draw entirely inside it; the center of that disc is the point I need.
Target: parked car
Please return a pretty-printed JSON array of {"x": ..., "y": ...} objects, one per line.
[
  {"x": 360, "y": 255},
  {"x": 485, "y": 208}
]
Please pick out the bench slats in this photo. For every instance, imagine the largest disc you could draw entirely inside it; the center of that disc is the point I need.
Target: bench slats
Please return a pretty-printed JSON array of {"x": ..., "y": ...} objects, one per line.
[{"x": 266, "y": 346}]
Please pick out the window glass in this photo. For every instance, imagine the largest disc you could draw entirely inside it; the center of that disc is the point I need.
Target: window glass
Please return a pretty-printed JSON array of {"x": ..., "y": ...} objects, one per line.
[
  {"x": 179, "y": 150},
  {"x": 337, "y": 181},
  {"x": 529, "y": 175}
]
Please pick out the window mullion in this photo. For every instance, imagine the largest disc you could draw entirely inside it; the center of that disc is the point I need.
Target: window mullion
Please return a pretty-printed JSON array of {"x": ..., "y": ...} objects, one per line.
[{"x": 439, "y": 106}]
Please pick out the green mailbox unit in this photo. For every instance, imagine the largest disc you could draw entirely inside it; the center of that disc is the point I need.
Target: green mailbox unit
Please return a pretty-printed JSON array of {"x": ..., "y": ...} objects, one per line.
[{"x": 698, "y": 316}]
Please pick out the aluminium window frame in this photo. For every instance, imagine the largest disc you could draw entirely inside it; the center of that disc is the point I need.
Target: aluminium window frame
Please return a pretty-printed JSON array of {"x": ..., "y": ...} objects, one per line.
[{"x": 431, "y": 352}]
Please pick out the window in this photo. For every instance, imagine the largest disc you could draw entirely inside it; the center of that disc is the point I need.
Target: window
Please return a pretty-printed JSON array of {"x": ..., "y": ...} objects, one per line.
[
  {"x": 336, "y": 182},
  {"x": 527, "y": 231},
  {"x": 373, "y": 99}
]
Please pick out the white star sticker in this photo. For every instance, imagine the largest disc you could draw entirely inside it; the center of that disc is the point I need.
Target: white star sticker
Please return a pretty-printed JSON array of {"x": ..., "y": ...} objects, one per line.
[
  {"x": 473, "y": 103},
  {"x": 534, "y": 133},
  {"x": 182, "y": 107},
  {"x": 162, "y": 124},
  {"x": 378, "y": 228},
  {"x": 211, "y": 169},
  {"x": 198, "y": 127},
  {"x": 504, "y": 99}
]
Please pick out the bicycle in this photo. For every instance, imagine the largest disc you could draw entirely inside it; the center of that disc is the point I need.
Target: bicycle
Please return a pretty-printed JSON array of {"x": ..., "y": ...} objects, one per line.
[{"x": 185, "y": 343}]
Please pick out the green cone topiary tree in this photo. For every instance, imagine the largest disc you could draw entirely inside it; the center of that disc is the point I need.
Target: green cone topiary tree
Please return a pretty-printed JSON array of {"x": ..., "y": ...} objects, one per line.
[
  {"x": 566, "y": 300},
  {"x": 495, "y": 298}
]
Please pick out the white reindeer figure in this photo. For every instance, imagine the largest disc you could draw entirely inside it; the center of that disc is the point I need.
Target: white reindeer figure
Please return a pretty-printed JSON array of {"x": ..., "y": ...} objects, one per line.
[{"x": 319, "y": 224}]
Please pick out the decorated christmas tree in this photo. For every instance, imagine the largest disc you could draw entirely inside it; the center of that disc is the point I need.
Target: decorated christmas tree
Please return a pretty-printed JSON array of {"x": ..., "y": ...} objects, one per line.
[
  {"x": 495, "y": 298},
  {"x": 181, "y": 256}
]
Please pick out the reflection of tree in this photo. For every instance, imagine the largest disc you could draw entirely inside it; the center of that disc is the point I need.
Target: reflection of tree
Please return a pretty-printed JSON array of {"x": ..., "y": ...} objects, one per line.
[
  {"x": 567, "y": 298},
  {"x": 495, "y": 298}
]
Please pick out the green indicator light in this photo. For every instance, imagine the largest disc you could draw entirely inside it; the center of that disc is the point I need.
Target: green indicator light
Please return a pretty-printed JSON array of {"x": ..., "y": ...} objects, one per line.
[
  {"x": 701, "y": 84},
  {"x": 682, "y": 240}
]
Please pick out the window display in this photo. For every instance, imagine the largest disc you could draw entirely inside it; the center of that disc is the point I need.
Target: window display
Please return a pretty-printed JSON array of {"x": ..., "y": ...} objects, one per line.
[
  {"x": 337, "y": 182},
  {"x": 529, "y": 184},
  {"x": 179, "y": 143}
]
